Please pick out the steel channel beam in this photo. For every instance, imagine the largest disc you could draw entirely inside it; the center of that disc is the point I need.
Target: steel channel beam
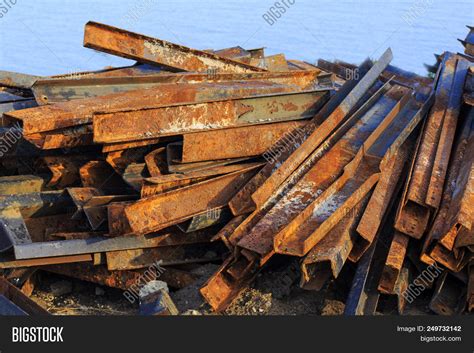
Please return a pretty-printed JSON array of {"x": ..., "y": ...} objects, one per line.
[
  {"x": 333, "y": 250},
  {"x": 167, "y": 256},
  {"x": 150, "y": 50},
  {"x": 363, "y": 296},
  {"x": 125, "y": 280},
  {"x": 160, "y": 211},
  {"x": 159, "y": 184},
  {"x": 222, "y": 288},
  {"x": 394, "y": 263},
  {"x": 185, "y": 118},
  {"x": 236, "y": 142},
  {"x": 15, "y": 295},
  {"x": 63, "y": 90},
  {"x": 442, "y": 224},
  {"x": 94, "y": 245}
]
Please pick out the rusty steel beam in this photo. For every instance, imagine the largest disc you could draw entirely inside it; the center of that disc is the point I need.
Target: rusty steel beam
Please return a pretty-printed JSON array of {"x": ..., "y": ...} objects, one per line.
[
  {"x": 275, "y": 63},
  {"x": 96, "y": 208},
  {"x": 64, "y": 170},
  {"x": 229, "y": 280},
  {"x": 20, "y": 184},
  {"x": 124, "y": 280},
  {"x": 187, "y": 168},
  {"x": 364, "y": 296},
  {"x": 17, "y": 80},
  {"x": 114, "y": 147},
  {"x": 156, "y": 162},
  {"x": 448, "y": 129},
  {"x": 101, "y": 244},
  {"x": 226, "y": 231},
  {"x": 167, "y": 256},
  {"x": 194, "y": 117},
  {"x": 80, "y": 112},
  {"x": 160, "y": 184},
  {"x": 391, "y": 180},
  {"x": 445, "y": 227},
  {"x": 331, "y": 253},
  {"x": 10, "y": 292},
  {"x": 63, "y": 138},
  {"x": 236, "y": 53},
  {"x": 6, "y": 263},
  {"x": 422, "y": 196},
  {"x": 160, "y": 211},
  {"x": 150, "y": 50},
  {"x": 235, "y": 142},
  {"x": 63, "y": 90},
  {"x": 394, "y": 263}
]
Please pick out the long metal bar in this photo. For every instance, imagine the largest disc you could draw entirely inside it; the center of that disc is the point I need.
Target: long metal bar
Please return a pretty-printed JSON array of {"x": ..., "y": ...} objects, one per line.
[
  {"x": 62, "y": 90},
  {"x": 162, "y": 210},
  {"x": 138, "y": 47},
  {"x": 236, "y": 142},
  {"x": 100, "y": 244},
  {"x": 186, "y": 118}
]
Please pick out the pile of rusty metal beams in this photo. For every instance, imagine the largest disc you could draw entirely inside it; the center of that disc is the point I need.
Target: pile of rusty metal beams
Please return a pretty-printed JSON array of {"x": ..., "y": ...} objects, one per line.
[{"x": 234, "y": 157}]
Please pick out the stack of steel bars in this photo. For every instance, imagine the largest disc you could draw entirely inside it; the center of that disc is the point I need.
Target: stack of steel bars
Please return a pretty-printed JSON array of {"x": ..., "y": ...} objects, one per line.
[{"x": 234, "y": 157}]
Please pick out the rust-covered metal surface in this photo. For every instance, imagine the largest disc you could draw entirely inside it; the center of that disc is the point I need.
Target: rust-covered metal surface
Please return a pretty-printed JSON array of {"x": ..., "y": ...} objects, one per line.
[
  {"x": 66, "y": 89},
  {"x": 135, "y": 46},
  {"x": 157, "y": 212},
  {"x": 429, "y": 169},
  {"x": 237, "y": 142},
  {"x": 178, "y": 119}
]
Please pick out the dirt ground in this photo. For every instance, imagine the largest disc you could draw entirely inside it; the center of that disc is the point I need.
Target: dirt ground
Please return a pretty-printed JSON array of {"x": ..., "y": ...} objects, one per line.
[{"x": 275, "y": 291}]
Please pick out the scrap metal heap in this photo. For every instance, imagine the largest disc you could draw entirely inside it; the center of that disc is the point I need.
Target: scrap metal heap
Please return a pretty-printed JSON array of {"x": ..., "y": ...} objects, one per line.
[{"x": 233, "y": 157}]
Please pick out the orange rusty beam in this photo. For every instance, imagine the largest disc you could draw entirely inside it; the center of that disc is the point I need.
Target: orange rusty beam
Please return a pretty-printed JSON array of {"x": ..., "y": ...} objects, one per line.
[
  {"x": 393, "y": 263},
  {"x": 150, "y": 50},
  {"x": 236, "y": 142},
  {"x": 193, "y": 117},
  {"x": 157, "y": 212}
]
